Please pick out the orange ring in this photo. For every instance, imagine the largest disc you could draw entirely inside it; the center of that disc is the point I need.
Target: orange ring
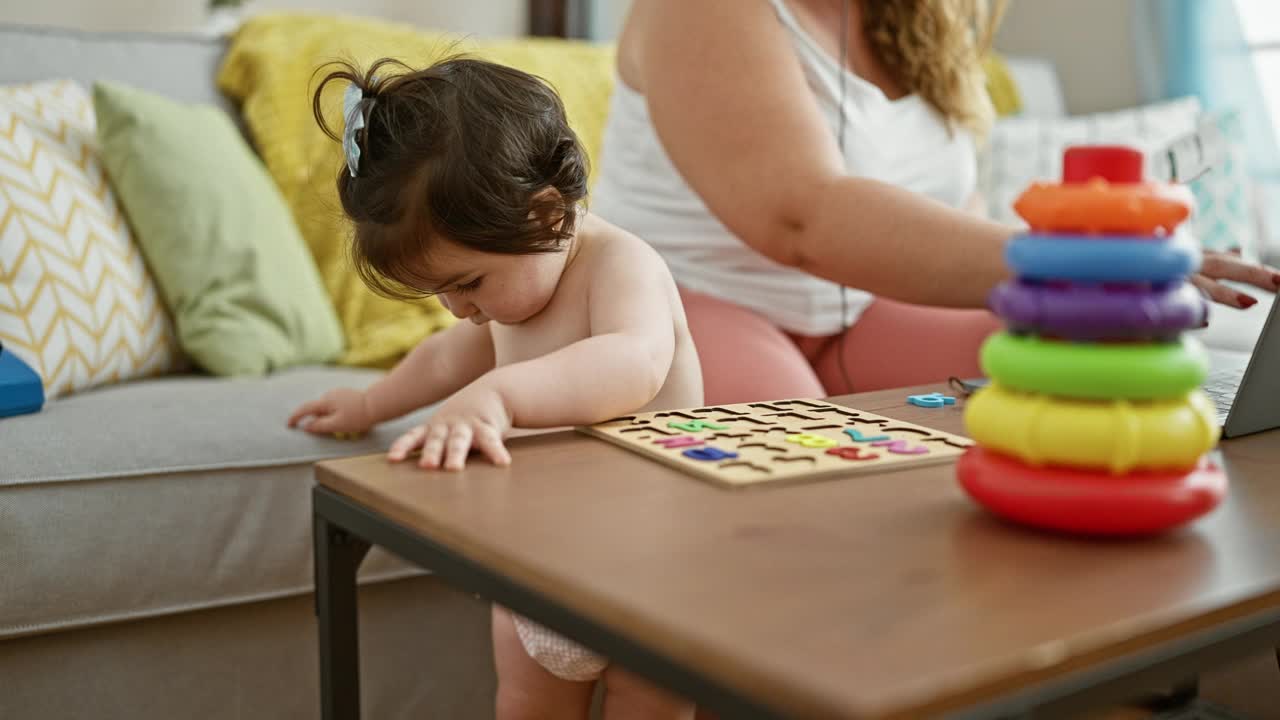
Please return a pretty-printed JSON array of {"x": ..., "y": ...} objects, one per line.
[{"x": 1100, "y": 207}]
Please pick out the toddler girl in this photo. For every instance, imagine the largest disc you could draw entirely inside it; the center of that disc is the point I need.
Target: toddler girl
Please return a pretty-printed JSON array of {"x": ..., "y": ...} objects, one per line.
[{"x": 464, "y": 181}]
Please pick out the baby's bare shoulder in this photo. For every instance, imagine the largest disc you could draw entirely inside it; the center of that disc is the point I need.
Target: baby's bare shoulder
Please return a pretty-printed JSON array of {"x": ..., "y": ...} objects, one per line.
[{"x": 615, "y": 250}]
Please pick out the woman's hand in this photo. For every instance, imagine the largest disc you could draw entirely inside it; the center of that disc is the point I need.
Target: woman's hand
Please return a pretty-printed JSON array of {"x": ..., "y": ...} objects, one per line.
[
  {"x": 475, "y": 417},
  {"x": 338, "y": 411},
  {"x": 1229, "y": 266}
]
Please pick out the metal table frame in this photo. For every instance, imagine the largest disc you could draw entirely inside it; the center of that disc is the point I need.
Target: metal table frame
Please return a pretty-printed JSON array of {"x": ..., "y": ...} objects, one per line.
[{"x": 345, "y": 530}]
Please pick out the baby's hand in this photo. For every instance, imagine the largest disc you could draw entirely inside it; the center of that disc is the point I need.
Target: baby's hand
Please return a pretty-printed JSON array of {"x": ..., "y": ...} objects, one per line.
[
  {"x": 475, "y": 417},
  {"x": 338, "y": 411}
]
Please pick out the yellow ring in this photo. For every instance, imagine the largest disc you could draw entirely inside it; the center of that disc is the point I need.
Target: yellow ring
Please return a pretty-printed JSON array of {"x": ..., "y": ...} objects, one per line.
[{"x": 1119, "y": 435}]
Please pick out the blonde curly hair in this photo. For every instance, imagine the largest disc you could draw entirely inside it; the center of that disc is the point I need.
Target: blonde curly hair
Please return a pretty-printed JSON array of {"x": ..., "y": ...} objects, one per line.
[{"x": 935, "y": 48}]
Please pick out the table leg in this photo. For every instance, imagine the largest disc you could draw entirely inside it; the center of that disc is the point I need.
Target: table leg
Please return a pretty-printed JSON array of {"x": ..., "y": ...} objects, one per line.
[
  {"x": 1180, "y": 696},
  {"x": 344, "y": 531},
  {"x": 338, "y": 555}
]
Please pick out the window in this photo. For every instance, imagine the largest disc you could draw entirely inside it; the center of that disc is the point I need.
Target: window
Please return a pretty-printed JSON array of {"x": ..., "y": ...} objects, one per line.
[{"x": 1261, "y": 21}]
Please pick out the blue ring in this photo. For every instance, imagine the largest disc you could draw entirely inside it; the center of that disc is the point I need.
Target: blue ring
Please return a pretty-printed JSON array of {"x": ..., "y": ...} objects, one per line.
[{"x": 1084, "y": 258}]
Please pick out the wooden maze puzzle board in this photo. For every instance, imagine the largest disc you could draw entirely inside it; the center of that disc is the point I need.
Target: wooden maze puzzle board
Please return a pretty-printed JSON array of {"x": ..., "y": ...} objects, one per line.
[{"x": 779, "y": 441}]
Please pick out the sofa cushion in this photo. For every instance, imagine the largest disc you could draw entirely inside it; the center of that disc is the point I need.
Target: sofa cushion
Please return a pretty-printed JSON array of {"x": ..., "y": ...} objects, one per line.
[
  {"x": 77, "y": 302},
  {"x": 217, "y": 235},
  {"x": 163, "y": 496},
  {"x": 177, "y": 66}
]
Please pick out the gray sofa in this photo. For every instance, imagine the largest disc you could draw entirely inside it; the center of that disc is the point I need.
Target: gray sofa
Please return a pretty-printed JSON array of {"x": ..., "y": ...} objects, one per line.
[{"x": 155, "y": 537}]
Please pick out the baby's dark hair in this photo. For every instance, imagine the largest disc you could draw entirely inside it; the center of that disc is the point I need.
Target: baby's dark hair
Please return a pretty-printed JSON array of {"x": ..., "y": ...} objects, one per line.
[{"x": 465, "y": 150}]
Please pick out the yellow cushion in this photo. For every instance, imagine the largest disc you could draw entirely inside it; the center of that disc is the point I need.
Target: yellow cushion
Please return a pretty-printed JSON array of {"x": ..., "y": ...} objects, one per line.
[
  {"x": 271, "y": 69},
  {"x": 1001, "y": 87},
  {"x": 76, "y": 300}
]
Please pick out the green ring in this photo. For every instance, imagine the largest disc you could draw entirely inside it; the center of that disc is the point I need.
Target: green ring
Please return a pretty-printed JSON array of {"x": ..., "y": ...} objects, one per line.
[{"x": 1096, "y": 371}]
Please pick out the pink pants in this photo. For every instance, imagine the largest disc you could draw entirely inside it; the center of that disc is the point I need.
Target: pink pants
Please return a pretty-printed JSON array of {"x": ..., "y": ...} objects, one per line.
[{"x": 746, "y": 358}]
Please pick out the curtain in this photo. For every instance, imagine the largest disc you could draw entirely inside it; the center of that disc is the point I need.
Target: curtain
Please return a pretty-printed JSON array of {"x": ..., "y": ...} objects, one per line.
[{"x": 1198, "y": 47}]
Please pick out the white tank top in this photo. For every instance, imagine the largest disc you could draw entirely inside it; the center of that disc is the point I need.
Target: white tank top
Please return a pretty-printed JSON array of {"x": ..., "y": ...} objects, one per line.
[{"x": 903, "y": 142}]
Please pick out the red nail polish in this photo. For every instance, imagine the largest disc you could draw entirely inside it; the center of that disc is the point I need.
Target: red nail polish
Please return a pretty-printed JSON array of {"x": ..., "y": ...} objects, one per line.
[
  {"x": 1275, "y": 279},
  {"x": 1246, "y": 301}
]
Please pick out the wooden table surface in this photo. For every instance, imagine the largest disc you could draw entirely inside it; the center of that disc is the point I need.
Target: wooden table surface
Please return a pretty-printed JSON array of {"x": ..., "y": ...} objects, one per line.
[{"x": 876, "y": 596}]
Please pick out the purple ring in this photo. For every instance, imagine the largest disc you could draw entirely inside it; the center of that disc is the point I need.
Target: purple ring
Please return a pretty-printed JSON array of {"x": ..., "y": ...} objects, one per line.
[{"x": 1099, "y": 312}]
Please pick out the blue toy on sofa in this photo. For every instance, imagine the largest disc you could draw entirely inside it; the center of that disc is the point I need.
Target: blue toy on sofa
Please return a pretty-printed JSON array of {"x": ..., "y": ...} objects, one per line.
[{"x": 20, "y": 388}]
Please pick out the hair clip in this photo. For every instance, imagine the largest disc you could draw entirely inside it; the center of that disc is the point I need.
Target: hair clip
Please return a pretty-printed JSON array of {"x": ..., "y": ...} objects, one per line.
[{"x": 353, "y": 116}]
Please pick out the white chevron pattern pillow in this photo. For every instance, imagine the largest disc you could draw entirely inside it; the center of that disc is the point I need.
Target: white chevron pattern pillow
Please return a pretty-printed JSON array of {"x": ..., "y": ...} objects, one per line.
[{"x": 76, "y": 300}]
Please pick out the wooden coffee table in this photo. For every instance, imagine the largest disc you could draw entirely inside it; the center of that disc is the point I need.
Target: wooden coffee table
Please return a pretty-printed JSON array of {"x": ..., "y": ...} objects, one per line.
[{"x": 880, "y": 596}]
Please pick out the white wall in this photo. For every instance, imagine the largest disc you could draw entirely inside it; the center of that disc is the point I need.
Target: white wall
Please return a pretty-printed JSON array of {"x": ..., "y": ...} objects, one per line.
[
  {"x": 480, "y": 17},
  {"x": 607, "y": 17},
  {"x": 1089, "y": 41},
  {"x": 105, "y": 14}
]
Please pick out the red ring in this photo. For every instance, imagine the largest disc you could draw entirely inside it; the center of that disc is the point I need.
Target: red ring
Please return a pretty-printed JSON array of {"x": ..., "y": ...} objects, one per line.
[
  {"x": 1090, "y": 502},
  {"x": 1113, "y": 163}
]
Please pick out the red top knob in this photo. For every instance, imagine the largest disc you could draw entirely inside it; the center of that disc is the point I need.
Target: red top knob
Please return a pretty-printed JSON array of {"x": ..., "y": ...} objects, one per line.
[{"x": 1113, "y": 163}]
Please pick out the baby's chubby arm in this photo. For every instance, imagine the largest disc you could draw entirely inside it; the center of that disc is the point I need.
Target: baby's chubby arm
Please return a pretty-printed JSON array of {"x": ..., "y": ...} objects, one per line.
[
  {"x": 439, "y": 366},
  {"x": 620, "y": 368}
]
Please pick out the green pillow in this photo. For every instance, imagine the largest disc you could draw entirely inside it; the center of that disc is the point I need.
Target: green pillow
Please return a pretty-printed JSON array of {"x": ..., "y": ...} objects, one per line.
[{"x": 244, "y": 292}]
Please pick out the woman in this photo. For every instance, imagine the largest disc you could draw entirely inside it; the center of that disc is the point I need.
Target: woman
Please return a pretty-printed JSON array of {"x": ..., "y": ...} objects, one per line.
[{"x": 811, "y": 209}]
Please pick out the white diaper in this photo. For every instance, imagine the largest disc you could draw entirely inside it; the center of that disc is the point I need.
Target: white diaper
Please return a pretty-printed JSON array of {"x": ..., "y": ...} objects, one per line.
[{"x": 561, "y": 656}]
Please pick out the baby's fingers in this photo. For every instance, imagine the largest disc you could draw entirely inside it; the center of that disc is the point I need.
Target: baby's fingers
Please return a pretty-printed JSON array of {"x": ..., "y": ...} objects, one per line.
[
  {"x": 406, "y": 444},
  {"x": 457, "y": 447},
  {"x": 323, "y": 424},
  {"x": 489, "y": 442},
  {"x": 433, "y": 446},
  {"x": 315, "y": 407}
]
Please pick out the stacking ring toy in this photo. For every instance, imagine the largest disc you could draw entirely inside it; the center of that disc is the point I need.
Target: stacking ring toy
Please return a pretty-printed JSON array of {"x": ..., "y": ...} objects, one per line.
[
  {"x": 1092, "y": 312},
  {"x": 1117, "y": 436},
  {"x": 1098, "y": 206},
  {"x": 1096, "y": 371},
  {"x": 1113, "y": 163},
  {"x": 1088, "y": 502},
  {"x": 1083, "y": 258}
]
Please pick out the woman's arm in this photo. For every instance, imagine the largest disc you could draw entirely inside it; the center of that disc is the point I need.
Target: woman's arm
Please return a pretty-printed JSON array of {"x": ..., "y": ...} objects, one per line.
[
  {"x": 731, "y": 105},
  {"x": 977, "y": 205}
]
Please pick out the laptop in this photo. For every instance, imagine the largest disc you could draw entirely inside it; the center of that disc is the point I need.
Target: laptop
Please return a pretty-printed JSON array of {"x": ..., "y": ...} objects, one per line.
[{"x": 1246, "y": 386}]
